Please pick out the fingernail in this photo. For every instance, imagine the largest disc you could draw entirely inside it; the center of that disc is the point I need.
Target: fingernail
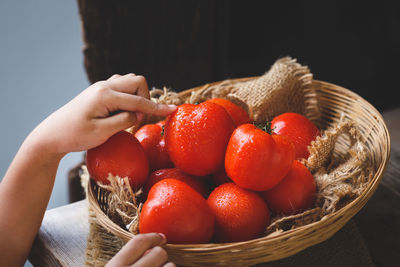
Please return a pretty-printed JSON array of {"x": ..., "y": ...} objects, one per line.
[
  {"x": 172, "y": 106},
  {"x": 163, "y": 237}
]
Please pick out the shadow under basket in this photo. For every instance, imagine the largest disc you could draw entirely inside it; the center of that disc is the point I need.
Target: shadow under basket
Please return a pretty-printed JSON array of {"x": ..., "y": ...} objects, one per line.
[{"x": 333, "y": 102}]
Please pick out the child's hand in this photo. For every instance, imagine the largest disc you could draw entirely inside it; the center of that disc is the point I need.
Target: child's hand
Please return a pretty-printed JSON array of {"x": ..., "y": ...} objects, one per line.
[
  {"x": 87, "y": 121},
  {"x": 101, "y": 110},
  {"x": 142, "y": 250}
]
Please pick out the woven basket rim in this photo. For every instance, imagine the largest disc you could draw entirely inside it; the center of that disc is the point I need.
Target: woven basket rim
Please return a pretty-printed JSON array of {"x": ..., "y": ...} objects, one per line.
[{"x": 339, "y": 217}]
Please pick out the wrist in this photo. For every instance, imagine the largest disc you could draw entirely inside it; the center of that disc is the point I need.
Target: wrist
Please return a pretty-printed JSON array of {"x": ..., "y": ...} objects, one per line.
[{"x": 40, "y": 146}]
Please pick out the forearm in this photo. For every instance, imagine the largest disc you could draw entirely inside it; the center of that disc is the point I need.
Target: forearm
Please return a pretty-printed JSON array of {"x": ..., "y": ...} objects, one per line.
[{"x": 24, "y": 194}]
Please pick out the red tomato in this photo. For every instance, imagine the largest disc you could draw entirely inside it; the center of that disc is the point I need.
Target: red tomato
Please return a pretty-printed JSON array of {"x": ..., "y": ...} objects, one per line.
[
  {"x": 240, "y": 214},
  {"x": 177, "y": 174},
  {"x": 196, "y": 137},
  {"x": 161, "y": 123},
  {"x": 152, "y": 140},
  {"x": 257, "y": 160},
  {"x": 300, "y": 130},
  {"x": 121, "y": 155},
  {"x": 238, "y": 114},
  {"x": 178, "y": 211},
  {"x": 220, "y": 177},
  {"x": 295, "y": 193}
]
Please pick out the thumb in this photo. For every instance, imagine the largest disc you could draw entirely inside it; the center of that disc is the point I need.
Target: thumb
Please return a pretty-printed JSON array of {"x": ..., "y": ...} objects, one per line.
[{"x": 118, "y": 122}]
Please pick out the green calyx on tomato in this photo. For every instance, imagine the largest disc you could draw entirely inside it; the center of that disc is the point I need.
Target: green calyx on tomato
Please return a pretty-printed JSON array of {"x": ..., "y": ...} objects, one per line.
[
  {"x": 162, "y": 130},
  {"x": 266, "y": 127}
]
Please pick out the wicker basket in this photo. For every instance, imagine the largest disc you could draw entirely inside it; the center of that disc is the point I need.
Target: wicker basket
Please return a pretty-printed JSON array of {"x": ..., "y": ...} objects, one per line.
[{"x": 333, "y": 101}]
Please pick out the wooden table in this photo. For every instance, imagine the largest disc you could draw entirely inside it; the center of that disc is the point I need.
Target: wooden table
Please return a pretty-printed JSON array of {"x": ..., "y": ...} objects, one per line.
[{"x": 61, "y": 240}]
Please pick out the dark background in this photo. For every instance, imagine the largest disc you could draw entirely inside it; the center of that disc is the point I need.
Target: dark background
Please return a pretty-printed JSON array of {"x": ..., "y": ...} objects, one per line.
[{"x": 182, "y": 44}]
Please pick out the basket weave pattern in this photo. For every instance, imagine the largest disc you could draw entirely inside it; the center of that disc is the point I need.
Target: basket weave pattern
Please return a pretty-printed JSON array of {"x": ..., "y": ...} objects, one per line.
[{"x": 333, "y": 102}]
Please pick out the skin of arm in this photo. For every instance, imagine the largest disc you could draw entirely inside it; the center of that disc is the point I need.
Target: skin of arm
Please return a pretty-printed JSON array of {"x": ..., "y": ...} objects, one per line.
[{"x": 85, "y": 122}]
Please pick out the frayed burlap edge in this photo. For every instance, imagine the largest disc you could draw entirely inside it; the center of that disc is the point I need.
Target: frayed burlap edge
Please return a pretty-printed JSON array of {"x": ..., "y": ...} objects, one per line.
[
  {"x": 121, "y": 199},
  {"x": 322, "y": 148},
  {"x": 340, "y": 176},
  {"x": 339, "y": 185},
  {"x": 281, "y": 224}
]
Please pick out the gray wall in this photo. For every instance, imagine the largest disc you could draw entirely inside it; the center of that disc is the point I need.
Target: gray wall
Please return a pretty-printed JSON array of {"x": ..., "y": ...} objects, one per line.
[{"x": 41, "y": 68}]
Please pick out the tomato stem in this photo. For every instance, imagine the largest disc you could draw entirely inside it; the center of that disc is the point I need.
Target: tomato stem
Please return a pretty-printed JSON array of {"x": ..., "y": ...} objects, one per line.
[
  {"x": 162, "y": 130},
  {"x": 265, "y": 126}
]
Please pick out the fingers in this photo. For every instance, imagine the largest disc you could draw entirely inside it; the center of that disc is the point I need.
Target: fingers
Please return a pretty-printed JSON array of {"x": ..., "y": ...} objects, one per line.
[
  {"x": 118, "y": 95},
  {"x": 129, "y": 83},
  {"x": 135, "y": 103},
  {"x": 157, "y": 256},
  {"x": 169, "y": 264},
  {"x": 114, "y": 77},
  {"x": 135, "y": 248}
]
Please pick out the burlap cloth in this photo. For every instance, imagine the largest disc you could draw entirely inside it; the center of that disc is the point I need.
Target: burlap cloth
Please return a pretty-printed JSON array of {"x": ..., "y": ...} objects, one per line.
[{"x": 341, "y": 171}]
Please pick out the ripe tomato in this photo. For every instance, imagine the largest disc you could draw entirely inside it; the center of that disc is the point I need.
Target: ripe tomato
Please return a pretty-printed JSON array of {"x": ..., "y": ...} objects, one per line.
[
  {"x": 238, "y": 114},
  {"x": 152, "y": 140},
  {"x": 178, "y": 211},
  {"x": 161, "y": 123},
  {"x": 196, "y": 137},
  {"x": 240, "y": 214},
  {"x": 295, "y": 193},
  {"x": 177, "y": 174},
  {"x": 121, "y": 155},
  {"x": 257, "y": 160},
  {"x": 300, "y": 130}
]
